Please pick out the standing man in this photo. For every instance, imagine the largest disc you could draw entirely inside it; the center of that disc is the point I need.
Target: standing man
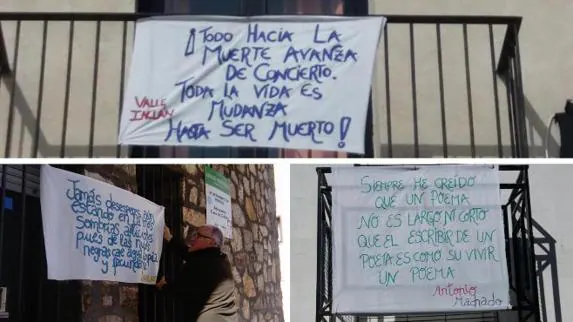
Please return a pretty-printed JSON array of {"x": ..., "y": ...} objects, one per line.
[{"x": 204, "y": 287}]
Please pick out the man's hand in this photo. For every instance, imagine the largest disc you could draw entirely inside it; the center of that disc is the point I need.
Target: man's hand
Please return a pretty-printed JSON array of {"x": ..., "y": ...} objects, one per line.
[
  {"x": 167, "y": 234},
  {"x": 161, "y": 283}
]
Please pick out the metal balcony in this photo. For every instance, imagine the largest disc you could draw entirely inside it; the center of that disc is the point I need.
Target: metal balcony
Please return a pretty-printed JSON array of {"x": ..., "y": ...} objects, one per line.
[{"x": 447, "y": 86}]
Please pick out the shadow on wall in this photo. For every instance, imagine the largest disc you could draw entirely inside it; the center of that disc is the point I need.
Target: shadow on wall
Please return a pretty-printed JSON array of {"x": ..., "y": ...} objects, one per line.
[
  {"x": 537, "y": 128},
  {"x": 31, "y": 124}
]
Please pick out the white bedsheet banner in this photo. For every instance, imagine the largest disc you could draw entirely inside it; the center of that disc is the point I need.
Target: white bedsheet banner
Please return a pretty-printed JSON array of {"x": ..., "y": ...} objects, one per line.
[
  {"x": 429, "y": 239},
  {"x": 96, "y": 231},
  {"x": 298, "y": 82}
]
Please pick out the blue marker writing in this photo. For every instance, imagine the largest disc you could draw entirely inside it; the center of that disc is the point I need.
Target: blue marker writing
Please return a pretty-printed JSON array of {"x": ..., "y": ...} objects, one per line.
[
  {"x": 332, "y": 36},
  {"x": 244, "y": 55},
  {"x": 336, "y": 54},
  {"x": 230, "y": 91},
  {"x": 192, "y": 132},
  {"x": 315, "y": 73},
  {"x": 254, "y": 34},
  {"x": 312, "y": 129},
  {"x": 241, "y": 111},
  {"x": 268, "y": 91},
  {"x": 242, "y": 130},
  {"x": 216, "y": 36},
  {"x": 344, "y": 127},
  {"x": 190, "y": 90},
  {"x": 190, "y": 48},
  {"x": 308, "y": 90},
  {"x": 110, "y": 233}
]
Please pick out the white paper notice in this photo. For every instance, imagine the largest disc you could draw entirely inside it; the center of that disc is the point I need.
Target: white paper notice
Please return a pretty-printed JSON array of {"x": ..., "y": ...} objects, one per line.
[
  {"x": 429, "y": 239},
  {"x": 96, "y": 231},
  {"x": 299, "y": 82}
]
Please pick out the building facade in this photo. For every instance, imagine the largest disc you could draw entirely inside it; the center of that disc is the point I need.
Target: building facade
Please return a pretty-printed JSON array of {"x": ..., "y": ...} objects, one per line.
[
  {"x": 553, "y": 250},
  {"x": 63, "y": 80},
  {"x": 441, "y": 79},
  {"x": 472, "y": 103},
  {"x": 253, "y": 249}
]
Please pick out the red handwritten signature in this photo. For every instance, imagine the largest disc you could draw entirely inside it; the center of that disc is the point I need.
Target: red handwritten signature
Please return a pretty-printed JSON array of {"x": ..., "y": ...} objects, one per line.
[{"x": 150, "y": 109}]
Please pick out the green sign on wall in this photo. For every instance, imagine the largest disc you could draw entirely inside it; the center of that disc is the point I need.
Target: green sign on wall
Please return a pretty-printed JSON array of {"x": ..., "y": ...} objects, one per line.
[{"x": 218, "y": 203}]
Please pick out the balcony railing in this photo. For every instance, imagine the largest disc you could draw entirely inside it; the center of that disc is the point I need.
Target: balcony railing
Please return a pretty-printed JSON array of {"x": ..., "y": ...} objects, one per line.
[{"x": 444, "y": 86}]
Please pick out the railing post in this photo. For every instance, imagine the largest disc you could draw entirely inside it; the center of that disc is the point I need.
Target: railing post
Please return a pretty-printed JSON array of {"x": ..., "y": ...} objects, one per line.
[
  {"x": 509, "y": 67},
  {"x": 4, "y": 65},
  {"x": 319, "y": 250},
  {"x": 531, "y": 245},
  {"x": 520, "y": 96}
]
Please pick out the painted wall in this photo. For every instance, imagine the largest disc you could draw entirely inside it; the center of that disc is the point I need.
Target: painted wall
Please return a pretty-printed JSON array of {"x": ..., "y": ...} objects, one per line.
[
  {"x": 253, "y": 250},
  {"x": 67, "y": 6},
  {"x": 23, "y": 94},
  {"x": 550, "y": 193},
  {"x": 546, "y": 67},
  {"x": 549, "y": 186}
]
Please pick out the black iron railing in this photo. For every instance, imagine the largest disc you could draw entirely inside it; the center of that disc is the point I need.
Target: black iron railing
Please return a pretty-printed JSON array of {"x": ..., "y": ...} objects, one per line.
[
  {"x": 30, "y": 295},
  {"x": 481, "y": 107},
  {"x": 63, "y": 76},
  {"x": 521, "y": 260}
]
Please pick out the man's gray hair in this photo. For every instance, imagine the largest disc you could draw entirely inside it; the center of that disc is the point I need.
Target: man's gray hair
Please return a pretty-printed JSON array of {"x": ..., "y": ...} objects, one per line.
[{"x": 217, "y": 234}]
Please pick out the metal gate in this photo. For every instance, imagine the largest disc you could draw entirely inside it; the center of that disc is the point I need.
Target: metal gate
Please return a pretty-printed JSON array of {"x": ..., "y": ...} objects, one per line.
[
  {"x": 518, "y": 226},
  {"x": 162, "y": 186},
  {"x": 30, "y": 296}
]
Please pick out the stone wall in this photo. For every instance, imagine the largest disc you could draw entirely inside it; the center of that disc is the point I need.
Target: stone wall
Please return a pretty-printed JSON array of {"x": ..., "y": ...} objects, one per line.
[{"x": 253, "y": 250}]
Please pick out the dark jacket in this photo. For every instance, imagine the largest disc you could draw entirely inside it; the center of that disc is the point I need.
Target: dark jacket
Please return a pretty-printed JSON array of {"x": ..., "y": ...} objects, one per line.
[{"x": 204, "y": 286}]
